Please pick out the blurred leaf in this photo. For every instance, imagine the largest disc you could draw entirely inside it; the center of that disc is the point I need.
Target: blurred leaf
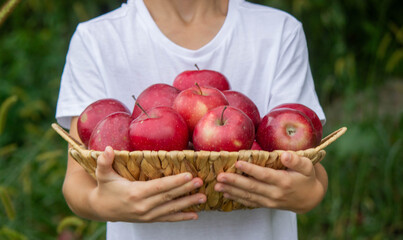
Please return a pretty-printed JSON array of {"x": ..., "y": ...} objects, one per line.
[
  {"x": 72, "y": 221},
  {"x": 398, "y": 32},
  {"x": 25, "y": 179},
  {"x": 4, "y": 108},
  {"x": 8, "y": 149},
  {"x": 80, "y": 11},
  {"x": 56, "y": 154},
  {"x": 10, "y": 234},
  {"x": 7, "y": 203},
  {"x": 6, "y": 9},
  {"x": 394, "y": 60},
  {"x": 383, "y": 46}
]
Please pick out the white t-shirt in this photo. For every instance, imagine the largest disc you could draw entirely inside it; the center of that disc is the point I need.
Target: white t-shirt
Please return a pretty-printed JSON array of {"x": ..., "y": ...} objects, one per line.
[{"x": 263, "y": 53}]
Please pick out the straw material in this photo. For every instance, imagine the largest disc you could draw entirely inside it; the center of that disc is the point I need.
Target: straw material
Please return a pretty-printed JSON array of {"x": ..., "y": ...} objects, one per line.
[{"x": 146, "y": 165}]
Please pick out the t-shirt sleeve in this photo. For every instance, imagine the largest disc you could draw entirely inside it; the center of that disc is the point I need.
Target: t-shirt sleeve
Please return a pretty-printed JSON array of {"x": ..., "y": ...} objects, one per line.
[
  {"x": 293, "y": 82},
  {"x": 81, "y": 82}
]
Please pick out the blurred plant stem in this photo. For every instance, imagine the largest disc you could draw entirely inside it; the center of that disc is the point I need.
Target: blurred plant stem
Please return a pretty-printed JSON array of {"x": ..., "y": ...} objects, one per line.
[
  {"x": 4, "y": 107},
  {"x": 7, "y": 203},
  {"x": 6, "y": 9}
]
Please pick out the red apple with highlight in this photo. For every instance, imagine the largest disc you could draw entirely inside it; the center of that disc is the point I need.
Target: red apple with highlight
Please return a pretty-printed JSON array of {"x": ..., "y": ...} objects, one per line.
[
  {"x": 211, "y": 78},
  {"x": 193, "y": 103},
  {"x": 317, "y": 124},
  {"x": 224, "y": 128},
  {"x": 286, "y": 129},
  {"x": 112, "y": 131},
  {"x": 156, "y": 95},
  {"x": 160, "y": 128},
  {"x": 244, "y": 103},
  {"x": 94, "y": 113}
]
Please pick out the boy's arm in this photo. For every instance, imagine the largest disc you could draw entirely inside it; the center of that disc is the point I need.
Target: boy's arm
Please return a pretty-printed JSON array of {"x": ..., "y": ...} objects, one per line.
[{"x": 113, "y": 198}]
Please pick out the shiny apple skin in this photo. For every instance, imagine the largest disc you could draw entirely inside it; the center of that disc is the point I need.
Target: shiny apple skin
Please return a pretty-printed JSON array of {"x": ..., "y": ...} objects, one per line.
[
  {"x": 286, "y": 129},
  {"x": 162, "y": 129},
  {"x": 156, "y": 95},
  {"x": 232, "y": 130},
  {"x": 243, "y": 102},
  {"x": 317, "y": 124},
  {"x": 94, "y": 113},
  {"x": 112, "y": 131},
  {"x": 193, "y": 103},
  {"x": 256, "y": 146},
  {"x": 211, "y": 78}
]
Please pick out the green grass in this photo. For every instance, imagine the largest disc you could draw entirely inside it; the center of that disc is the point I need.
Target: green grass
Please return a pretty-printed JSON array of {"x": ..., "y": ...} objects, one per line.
[{"x": 365, "y": 194}]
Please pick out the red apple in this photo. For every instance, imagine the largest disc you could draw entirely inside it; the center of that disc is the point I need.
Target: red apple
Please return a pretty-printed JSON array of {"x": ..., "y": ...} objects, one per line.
[
  {"x": 256, "y": 146},
  {"x": 244, "y": 103},
  {"x": 205, "y": 77},
  {"x": 224, "y": 128},
  {"x": 112, "y": 131},
  {"x": 193, "y": 103},
  {"x": 156, "y": 95},
  {"x": 286, "y": 129},
  {"x": 160, "y": 128},
  {"x": 317, "y": 124},
  {"x": 94, "y": 113}
]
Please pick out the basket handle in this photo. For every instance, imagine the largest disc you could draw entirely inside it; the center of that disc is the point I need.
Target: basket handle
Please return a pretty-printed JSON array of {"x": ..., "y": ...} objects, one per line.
[
  {"x": 330, "y": 138},
  {"x": 71, "y": 140}
]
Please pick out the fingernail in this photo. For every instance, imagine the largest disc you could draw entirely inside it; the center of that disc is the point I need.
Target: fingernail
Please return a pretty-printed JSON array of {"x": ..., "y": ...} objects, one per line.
[
  {"x": 188, "y": 176},
  {"x": 286, "y": 156},
  {"x": 218, "y": 187},
  {"x": 202, "y": 200},
  {"x": 239, "y": 164},
  {"x": 221, "y": 178},
  {"x": 197, "y": 184}
]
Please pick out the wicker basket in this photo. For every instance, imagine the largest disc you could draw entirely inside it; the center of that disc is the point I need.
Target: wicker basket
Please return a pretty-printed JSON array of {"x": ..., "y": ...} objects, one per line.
[{"x": 146, "y": 165}]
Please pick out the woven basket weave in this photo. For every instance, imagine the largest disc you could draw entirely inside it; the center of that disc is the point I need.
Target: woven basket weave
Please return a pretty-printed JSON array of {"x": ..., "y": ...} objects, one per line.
[{"x": 146, "y": 165}]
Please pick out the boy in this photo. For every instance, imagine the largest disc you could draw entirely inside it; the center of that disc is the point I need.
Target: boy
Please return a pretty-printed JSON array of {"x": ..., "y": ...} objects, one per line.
[{"x": 263, "y": 53}]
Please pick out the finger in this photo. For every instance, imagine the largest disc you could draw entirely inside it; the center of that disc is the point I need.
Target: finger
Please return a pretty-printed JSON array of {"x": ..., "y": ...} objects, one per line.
[
  {"x": 104, "y": 169},
  {"x": 185, "y": 189},
  {"x": 299, "y": 164},
  {"x": 160, "y": 185},
  {"x": 229, "y": 181},
  {"x": 242, "y": 196},
  {"x": 244, "y": 202},
  {"x": 175, "y": 206},
  {"x": 264, "y": 174}
]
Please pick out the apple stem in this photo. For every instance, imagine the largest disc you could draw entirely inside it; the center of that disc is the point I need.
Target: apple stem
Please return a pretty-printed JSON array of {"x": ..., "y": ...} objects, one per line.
[
  {"x": 222, "y": 116},
  {"x": 138, "y": 104},
  {"x": 291, "y": 131},
  {"x": 198, "y": 69},
  {"x": 201, "y": 92}
]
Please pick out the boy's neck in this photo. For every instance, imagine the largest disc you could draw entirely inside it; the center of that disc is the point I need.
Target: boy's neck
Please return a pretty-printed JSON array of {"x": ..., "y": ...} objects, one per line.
[
  {"x": 186, "y": 11},
  {"x": 188, "y": 23}
]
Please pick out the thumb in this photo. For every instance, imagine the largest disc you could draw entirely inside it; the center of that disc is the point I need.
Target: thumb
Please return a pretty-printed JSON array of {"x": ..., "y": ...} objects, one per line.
[
  {"x": 104, "y": 170},
  {"x": 297, "y": 163}
]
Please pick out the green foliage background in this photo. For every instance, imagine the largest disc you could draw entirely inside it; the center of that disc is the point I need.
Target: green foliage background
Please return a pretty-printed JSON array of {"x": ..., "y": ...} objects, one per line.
[{"x": 356, "y": 57}]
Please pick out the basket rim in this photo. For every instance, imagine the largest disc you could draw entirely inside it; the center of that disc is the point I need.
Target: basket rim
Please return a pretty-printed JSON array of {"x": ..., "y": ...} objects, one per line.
[{"x": 77, "y": 145}]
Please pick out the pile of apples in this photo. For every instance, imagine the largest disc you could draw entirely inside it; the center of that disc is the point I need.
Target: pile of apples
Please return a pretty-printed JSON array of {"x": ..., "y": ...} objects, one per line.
[{"x": 198, "y": 111}]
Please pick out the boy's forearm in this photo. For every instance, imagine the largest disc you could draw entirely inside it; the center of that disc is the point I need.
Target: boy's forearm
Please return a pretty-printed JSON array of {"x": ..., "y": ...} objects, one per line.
[{"x": 76, "y": 190}]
